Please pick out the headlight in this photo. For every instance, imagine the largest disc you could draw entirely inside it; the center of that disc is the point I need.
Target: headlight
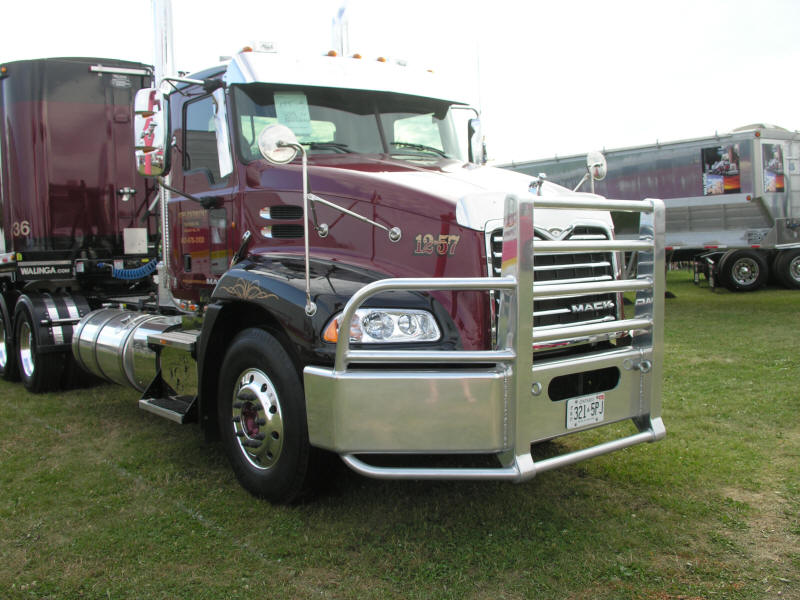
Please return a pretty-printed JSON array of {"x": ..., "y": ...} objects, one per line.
[{"x": 386, "y": 326}]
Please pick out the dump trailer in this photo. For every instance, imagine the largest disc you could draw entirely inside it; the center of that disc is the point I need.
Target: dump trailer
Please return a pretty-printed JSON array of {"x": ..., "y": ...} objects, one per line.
[
  {"x": 305, "y": 258},
  {"x": 732, "y": 201}
]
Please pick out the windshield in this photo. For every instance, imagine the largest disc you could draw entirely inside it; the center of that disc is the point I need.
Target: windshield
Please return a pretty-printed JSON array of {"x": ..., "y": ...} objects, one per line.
[{"x": 333, "y": 120}]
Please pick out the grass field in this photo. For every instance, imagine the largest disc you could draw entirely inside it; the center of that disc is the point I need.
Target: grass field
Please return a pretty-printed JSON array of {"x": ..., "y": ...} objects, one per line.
[{"x": 99, "y": 499}]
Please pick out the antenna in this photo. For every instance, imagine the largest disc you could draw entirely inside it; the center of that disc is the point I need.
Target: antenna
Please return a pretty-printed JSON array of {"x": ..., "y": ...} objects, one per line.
[{"x": 340, "y": 34}]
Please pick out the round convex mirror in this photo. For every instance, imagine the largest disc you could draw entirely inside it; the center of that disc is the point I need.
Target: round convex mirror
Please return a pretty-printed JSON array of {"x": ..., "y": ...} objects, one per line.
[
  {"x": 275, "y": 144},
  {"x": 596, "y": 163}
]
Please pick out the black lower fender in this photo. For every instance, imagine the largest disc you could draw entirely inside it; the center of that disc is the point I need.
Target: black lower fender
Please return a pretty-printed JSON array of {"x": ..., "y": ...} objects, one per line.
[{"x": 269, "y": 292}]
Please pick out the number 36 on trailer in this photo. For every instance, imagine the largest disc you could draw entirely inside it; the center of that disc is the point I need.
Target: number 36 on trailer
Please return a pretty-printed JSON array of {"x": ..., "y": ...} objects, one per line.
[{"x": 21, "y": 229}]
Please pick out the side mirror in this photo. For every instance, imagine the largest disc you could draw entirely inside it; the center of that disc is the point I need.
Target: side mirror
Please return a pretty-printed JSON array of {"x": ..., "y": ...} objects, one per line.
[
  {"x": 597, "y": 166},
  {"x": 278, "y": 144},
  {"x": 477, "y": 150},
  {"x": 151, "y": 133}
]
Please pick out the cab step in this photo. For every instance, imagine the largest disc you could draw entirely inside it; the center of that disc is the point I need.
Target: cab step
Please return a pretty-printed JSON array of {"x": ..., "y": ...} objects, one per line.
[
  {"x": 160, "y": 399},
  {"x": 174, "y": 408}
]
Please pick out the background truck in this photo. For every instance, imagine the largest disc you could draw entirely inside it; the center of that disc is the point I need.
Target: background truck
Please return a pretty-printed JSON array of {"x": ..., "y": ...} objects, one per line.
[
  {"x": 733, "y": 201},
  {"x": 315, "y": 265}
]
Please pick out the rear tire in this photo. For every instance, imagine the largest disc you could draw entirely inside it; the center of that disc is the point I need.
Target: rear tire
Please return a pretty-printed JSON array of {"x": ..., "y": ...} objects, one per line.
[
  {"x": 787, "y": 268},
  {"x": 743, "y": 270},
  {"x": 8, "y": 350},
  {"x": 262, "y": 418},
  {"x": 39, "y": 372}
]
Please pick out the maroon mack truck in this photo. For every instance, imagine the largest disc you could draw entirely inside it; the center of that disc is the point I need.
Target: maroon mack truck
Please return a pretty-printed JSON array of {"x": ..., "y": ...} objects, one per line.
[{"x": 307, "y": 258}]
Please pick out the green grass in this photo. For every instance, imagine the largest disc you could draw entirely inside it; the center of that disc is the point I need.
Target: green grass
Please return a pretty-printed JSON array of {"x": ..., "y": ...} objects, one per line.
[{"x": 101, "y": 500}]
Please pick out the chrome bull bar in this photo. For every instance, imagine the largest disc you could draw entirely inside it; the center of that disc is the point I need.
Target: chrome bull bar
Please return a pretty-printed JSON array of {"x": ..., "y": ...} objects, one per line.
[{"x": 496, "y": 402}]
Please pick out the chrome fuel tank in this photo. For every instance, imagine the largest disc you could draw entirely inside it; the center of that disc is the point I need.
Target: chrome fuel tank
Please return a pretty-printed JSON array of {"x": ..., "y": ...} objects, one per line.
[{"x": 112, "y": 343}]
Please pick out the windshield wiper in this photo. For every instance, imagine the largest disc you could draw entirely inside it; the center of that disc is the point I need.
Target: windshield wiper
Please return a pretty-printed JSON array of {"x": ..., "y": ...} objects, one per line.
[
  {"x": 420, "y": 147},
  {"x": 327, "y": 145}
]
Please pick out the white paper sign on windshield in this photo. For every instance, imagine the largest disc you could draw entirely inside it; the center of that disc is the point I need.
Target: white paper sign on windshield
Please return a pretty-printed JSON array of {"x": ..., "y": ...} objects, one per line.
[{"x": 291, "y": 108}]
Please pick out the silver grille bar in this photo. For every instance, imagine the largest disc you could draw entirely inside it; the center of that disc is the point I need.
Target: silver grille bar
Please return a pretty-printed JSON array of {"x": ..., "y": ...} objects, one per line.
[
  {"x": 588, "y": 330},
  {"x": 569, "y": 247},
  {"x": 559, "y": 290},
  {"x": 603, "y": 263}
]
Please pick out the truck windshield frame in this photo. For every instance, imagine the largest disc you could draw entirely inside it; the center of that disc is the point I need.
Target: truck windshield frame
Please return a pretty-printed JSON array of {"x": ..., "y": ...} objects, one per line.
[{"x": 343, "y": 121}]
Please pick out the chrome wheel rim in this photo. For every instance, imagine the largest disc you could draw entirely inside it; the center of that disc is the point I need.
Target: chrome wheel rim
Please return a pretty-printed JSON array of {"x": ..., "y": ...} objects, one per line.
[
  {"x": 794, "y": 269},
  {"x": 26, "y": 349},
  {"x": 3, "y": 349},
  {"x": 744, "y": 271},
  {"x": 257, "y": 419}
]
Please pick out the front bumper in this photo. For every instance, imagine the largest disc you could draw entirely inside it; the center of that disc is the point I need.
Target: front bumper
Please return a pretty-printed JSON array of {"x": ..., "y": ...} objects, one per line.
[{"x": 497, "y": 402}]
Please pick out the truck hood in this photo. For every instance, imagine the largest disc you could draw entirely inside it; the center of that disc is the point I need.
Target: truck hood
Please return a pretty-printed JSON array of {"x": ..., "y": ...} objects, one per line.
[{"x": 468, "y": 194}]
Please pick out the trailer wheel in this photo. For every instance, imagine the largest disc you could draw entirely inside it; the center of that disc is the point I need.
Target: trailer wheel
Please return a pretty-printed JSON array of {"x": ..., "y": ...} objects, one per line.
[
  {"x": 262, "y": 418},
  {"x": 743, "y": 270},
  {"x": 787, "y": 268},
  {"x": 8, "y": 353},
  {"x": 39, "y": 372}
]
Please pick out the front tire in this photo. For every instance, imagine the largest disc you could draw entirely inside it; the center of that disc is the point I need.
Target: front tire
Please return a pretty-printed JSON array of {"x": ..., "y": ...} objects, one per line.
[{"x": 262, "y": 418}]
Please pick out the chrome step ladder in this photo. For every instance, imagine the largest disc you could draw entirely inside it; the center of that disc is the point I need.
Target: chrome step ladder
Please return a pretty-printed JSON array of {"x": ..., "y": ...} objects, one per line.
[{"x": 159, "y": 398}]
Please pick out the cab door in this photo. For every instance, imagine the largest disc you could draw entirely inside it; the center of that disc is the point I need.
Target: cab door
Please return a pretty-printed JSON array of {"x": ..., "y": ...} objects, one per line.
[{"x": 202, "y": 235}]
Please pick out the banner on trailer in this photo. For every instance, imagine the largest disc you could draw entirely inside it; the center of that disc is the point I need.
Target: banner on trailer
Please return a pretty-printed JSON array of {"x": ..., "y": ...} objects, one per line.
[
  {"x": 773, "y": 168},
  {"x": 721, "y": 170}
]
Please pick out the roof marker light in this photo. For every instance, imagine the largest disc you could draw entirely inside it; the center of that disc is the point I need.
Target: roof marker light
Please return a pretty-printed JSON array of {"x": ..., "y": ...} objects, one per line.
[
  {"x": 356, "y": 55},
  {"x": 332, "y": 53}
]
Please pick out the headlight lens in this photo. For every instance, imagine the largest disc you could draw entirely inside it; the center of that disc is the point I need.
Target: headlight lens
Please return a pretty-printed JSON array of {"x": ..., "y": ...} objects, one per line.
[{"x": 387, "y": 326}]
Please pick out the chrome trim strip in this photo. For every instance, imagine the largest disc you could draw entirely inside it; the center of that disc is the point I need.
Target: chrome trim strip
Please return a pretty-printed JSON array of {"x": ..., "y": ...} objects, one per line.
[{"x": 52, "y": 312}]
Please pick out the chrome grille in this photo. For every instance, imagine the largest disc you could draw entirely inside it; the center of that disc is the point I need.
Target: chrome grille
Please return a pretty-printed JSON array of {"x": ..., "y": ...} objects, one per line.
[{"x": 565, "y": 268}]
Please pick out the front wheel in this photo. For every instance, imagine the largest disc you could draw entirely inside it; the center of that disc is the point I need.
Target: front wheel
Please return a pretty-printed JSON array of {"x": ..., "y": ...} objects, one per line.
[
  {"x": 262, "y": 418},
  {"x": 743, "y": 270}
]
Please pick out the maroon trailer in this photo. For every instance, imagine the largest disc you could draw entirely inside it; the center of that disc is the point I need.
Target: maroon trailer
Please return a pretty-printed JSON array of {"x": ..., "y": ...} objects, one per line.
[{"x": 74, "y": 208}]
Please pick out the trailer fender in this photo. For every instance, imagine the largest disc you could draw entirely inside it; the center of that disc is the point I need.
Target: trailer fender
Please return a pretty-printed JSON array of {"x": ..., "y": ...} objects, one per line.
[
  {"x": 43, "y": 328},
  {"x": 54, "y": 317}
]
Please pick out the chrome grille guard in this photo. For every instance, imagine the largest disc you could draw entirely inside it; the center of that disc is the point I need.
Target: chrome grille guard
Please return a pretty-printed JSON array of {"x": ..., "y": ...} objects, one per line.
[{"x": 501, "y": 409}]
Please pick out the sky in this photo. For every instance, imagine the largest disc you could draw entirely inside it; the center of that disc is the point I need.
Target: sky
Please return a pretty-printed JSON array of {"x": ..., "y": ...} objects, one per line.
[{"x": 550, "y": 78}]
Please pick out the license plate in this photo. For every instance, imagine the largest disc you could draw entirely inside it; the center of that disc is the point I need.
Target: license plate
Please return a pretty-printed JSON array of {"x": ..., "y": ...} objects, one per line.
[{"x": 585, "y": 410}]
